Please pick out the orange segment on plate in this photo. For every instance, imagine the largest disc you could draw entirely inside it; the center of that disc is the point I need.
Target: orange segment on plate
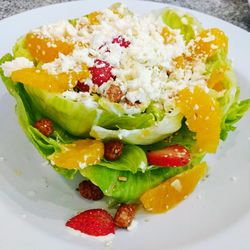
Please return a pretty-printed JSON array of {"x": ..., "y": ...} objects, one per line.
[
  {"x": 171, "y": 192},
  {"x": 79, "y": 154},
  {"x": 43, "y": 49},
  {"x": 167, "y": 35},
  {"x": 208, "y": 42},
  {"x": 203, "y": 117},
  {"x": 39, "y": 78}
]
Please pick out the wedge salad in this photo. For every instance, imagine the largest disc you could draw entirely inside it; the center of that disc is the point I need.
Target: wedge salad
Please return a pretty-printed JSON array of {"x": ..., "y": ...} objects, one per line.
[{"x": 131, "y": 102}]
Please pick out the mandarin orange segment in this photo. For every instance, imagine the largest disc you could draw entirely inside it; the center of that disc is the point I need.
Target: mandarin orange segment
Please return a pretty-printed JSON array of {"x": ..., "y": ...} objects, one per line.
[
  {"x": 93, "y": 18},
  {"x": 216, "y": 79},
  {"x": 43, "y": 49},
  {"x": 39, "y": 78},
  {"x": 209, "y": 41},
  {"x": 183, "y": 61},
  {"x": 203, "y": 117},
  {"x": 167, "y": 35},
  {"x": 79, "y": 154},
  {"x": 171, "y": 192}
]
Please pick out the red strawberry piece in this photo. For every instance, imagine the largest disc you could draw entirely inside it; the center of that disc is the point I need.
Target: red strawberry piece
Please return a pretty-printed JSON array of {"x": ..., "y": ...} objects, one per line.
[
  {"x": 94, "y": 222},
  {"x": 82, "y": 87},
  {"x": 121, "y": 41},
  {"x": 101, "y": 72},
  {"x": 171, "y": 156}
]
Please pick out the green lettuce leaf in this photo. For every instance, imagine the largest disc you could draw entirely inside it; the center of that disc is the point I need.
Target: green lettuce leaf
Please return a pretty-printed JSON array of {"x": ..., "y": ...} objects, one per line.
[
  {"x": 145, "y": 136},
  {"x": 176, "y": 19},
  {"x": 234, "y": 114},
  {"x": 76, "y": 118},
  {"x": 27, "y": 115},
  {"x": 20, "y": 49},
  {"x": 112, "y": 121},
  {"x": 135, "y": 184},
  {"x": 232, "y": 108},
  {"x": 133, "y": 159}
]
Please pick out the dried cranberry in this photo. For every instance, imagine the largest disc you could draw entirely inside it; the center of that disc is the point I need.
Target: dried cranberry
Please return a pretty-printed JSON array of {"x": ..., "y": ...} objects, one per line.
[{"x": 121, "y": 41}]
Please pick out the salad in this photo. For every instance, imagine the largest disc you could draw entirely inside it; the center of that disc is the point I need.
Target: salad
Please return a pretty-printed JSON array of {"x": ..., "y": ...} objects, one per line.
[{"x": 132, "y": 103}]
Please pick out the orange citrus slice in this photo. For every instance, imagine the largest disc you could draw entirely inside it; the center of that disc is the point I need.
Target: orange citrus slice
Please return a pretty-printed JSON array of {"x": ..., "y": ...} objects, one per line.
[
  {"x": 208, "y": 42},
  {"x": 93, "y": 18},
  {"x": 167, "y": 35},
  {"x": 171, "y": 192},
  {"x": 43, "y": 49},
  {"x": 39, "y": 78},
  {"x": 79, "y": 154},
  {"x": 203, "y": 117}
]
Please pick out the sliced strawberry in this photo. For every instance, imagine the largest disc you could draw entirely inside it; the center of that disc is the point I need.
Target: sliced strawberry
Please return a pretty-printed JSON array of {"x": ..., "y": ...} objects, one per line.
[
  {"x": 121, "y": 41},
  {"x": 171, "y": 156},
  {"x": 94, "y": 222},
  {"x": 101, "y": 72},
  {"x": 82, "y": 87}
]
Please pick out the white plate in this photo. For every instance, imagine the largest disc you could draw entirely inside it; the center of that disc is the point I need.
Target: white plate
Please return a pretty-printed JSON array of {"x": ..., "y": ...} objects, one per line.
[{"x": 35, "y": 202}]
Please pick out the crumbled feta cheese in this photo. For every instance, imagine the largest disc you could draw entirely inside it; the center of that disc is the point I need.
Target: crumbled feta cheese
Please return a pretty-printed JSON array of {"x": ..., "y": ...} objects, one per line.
[
  {"x": 141, "y": 69},
  {"x": 16, "y": 64},
  {"x": 58, "y": 30},
  {"x": 176, "y": 184},
  {"x": 133, "y": 225}
]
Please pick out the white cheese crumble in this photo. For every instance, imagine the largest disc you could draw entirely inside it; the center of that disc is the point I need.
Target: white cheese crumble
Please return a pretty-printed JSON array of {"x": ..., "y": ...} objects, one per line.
[
  {"x": 16, "y": 64},
  {"x": 176, "y": 184},
  {"x": 59, "y": 30}
]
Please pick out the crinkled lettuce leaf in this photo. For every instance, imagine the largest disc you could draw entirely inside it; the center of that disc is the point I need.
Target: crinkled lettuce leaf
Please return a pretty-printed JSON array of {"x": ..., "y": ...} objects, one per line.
[
  {"x": 135, "y": 184},
  {"x": 27, "y": 115},
  {"x": 76, "y": 118},
  {"x": 232, "y": 108},
  {"x": 187, "y": 24},
  {"x": 133, "y": 159},
  {"x": 20, "y": 49},
  {"x": 145, "y": 136},
  {"x": 112, "y": 121},
  {"x": 234, "y": 114}
]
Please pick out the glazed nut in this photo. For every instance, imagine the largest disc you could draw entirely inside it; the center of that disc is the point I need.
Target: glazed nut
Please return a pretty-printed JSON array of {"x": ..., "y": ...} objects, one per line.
[
  {"x": 125, "y": 215},
  {"x": 114, "y": 93},
  {"x": 113, "y": 150},
  {"x": 90, "y": 191},
  {"x": 45, "y": 126}
]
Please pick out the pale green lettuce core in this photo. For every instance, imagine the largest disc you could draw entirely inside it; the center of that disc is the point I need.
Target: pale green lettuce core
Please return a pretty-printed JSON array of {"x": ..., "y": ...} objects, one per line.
[{"x": 161, "y": 130}]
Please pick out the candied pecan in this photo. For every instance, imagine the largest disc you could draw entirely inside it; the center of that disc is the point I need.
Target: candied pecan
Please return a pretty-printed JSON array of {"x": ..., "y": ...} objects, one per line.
[
  {"x": 45, "y": 126},
  {"x": 124, "y": 215},
  {"x": 114, "y": 93},
  {"x": 90, "y": 191},
  {"x": 113, "y": 150}
]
